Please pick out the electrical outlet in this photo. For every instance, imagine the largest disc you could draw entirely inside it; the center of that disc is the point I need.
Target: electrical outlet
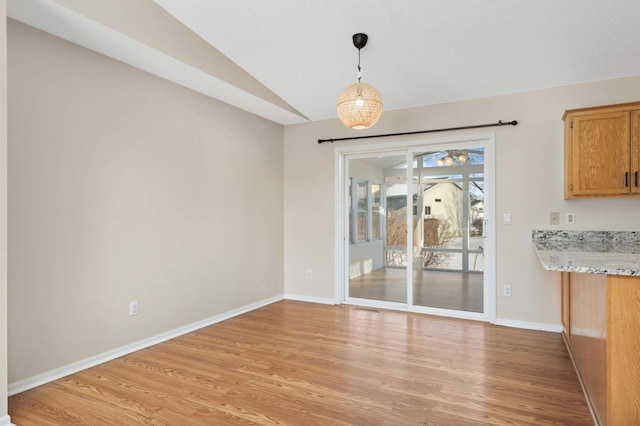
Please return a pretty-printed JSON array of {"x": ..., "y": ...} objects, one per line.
[
  {"x": 554, "y": 218},
  {"x": 570, "y": 219},
  {"x": 133, "y": 307},
  {"x": 309, "y": 274},
  {"x": 506, "y": 290}
]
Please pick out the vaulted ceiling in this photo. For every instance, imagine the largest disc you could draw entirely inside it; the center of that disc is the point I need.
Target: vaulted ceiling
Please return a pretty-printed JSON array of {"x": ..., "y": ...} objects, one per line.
[{"x": 288, "y": 60}]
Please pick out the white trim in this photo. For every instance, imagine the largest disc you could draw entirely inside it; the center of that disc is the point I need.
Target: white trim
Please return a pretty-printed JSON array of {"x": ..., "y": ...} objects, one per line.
[
  {"x": 379, "y": 304},
  {"x": 403, "y": 307},
  {"x": 397, "y": 146},
  {"x": 300, "y": 298},
  {"x": 553, "y": 328},
  {"x": 6, "y": 421},
  {"x": 58, "y": 373},
  {"x": 490, "y": 275},
  {"x": 450, "y": 313},
  {"x": 338, "y": 233},
  {"x": 408, "y": 220}
]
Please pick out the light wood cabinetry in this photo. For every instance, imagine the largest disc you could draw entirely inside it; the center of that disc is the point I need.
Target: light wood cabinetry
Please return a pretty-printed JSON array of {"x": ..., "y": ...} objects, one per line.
[
  {"x": 604, "y": 341},
  {"x": 635, "y": 150},
  {"x": 602, "y": 151},
  {"x": 566, "y": 313}
]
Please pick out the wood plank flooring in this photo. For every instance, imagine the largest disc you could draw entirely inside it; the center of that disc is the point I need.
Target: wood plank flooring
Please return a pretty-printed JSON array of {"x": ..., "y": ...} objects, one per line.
[
  {"x": 296, "y": 363},
  {"x": 461, "y": 291}
]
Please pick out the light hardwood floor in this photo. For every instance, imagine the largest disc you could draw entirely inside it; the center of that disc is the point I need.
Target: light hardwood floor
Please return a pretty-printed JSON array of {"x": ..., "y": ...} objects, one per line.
[{"x": 299, "y": 363}]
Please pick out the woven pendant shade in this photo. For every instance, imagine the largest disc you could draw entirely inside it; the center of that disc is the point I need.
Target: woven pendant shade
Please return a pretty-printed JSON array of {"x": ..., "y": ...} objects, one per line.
[{"x": 359, "y": 106}]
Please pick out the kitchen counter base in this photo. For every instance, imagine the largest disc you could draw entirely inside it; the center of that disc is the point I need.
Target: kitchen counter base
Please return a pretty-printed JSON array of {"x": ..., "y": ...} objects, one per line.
[{"x": 602, "y": 338}]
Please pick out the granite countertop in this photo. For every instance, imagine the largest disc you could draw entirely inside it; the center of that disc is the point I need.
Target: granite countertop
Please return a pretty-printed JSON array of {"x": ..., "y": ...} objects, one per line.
[{"x": 592, "y": 252}]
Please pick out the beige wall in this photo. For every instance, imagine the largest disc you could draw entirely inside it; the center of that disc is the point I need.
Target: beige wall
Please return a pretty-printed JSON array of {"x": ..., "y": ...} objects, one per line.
[
  {"x": 123, "y": 186},
  {"x": 529, "y": 184},
  {"x": 3, "y": 210}
]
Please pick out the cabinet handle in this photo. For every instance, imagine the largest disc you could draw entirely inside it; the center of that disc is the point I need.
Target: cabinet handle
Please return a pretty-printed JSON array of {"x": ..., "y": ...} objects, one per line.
[
  {"x": 626, "y": 179},
  {"x": 636, "y": 178}
]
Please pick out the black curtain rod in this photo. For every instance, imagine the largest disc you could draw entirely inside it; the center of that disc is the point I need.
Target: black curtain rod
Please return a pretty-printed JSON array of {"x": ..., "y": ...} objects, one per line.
[{"x": 499, "y": 123}]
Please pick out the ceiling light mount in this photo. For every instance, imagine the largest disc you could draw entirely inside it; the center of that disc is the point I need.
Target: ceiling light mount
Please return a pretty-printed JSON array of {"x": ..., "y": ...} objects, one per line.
[
  {"x": 360, "y": 40},
  {"x": 359, "y": 105}
]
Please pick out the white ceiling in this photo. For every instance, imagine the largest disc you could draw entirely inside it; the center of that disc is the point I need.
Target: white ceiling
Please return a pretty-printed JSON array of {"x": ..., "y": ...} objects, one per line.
[{"x": 420, "y": 52}]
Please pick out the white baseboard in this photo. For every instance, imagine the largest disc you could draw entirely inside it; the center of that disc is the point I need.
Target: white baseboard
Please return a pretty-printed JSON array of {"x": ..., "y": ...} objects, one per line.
[
  {"x": 6, "y": 421},
  {"x": 299, "y": 298},
  {"x": 58, "y": 373},
  {"x": 553, "y": 328}
]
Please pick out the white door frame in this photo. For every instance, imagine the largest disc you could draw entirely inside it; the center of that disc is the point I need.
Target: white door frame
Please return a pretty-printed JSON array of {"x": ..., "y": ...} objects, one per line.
[{"x": 485, "y": 140}]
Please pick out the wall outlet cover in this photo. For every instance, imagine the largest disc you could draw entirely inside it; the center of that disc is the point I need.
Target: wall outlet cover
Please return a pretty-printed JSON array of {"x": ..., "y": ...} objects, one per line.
[
  {"x": 133, "y": 307},
  {"x": 507, "y": 219}
]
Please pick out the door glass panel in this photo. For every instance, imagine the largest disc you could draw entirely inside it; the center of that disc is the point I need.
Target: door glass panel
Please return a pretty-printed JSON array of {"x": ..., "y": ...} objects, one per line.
[
  {"x": 450, "y": 206},
  {"x": 377, "y": 260}
]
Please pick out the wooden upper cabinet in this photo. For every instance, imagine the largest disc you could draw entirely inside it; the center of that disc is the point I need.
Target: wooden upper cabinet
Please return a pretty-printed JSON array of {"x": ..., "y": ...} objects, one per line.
[
  {"x": 602, "y": 154},
  {"x": 635, "y": 152}
]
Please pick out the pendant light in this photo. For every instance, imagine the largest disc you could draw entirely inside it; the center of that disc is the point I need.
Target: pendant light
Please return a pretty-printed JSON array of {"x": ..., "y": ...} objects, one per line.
[
  {"x": 458, "y": 158},
  {"x": 359, "y": 105}
]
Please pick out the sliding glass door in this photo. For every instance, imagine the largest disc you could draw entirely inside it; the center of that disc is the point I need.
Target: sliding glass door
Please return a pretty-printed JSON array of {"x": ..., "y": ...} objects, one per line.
[{"x": 415, "y": 229}]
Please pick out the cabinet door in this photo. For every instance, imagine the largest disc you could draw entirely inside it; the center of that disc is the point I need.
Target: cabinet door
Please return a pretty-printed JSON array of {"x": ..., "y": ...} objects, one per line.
[
  {"x": 588, "y": 341},
  {"x": 635, "y": 152},
  {"x": 600, "y": 147},
  {"x": 623, "y": 341},
  {"x": 566, "y": 309}
]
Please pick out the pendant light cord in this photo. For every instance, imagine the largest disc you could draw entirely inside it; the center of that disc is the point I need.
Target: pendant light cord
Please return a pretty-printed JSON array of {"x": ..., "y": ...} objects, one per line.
[{"x": 359, "y": 69}]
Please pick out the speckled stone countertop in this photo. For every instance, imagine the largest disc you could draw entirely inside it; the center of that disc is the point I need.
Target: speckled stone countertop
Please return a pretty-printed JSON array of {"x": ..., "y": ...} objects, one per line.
[{"x": 592, "y": 252}]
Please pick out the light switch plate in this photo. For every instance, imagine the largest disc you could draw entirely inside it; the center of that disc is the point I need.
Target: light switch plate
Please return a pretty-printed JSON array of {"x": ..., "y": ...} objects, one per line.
[
  {"x": 554, "y": 218},
  {"x": 507, "y": 219}
]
